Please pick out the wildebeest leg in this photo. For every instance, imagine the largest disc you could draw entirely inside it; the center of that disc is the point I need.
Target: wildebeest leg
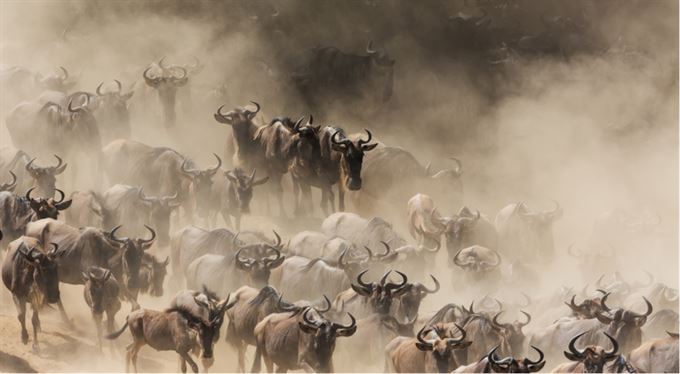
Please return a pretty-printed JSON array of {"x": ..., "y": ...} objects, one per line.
[
  {"x": 64, "y": 316},
  {"x": 306, "y": 199},
  {"x": 186, "y": 357},
  {"x": 35, "y": 320},
  {"x": 341, "y": 199},
  {"x": 241, "y": 347},
  {"x": 257, "y": 361},
  {"x": 21, "y": 310},
  {"x": 296, "y": 196},
  {"x": 133, "y": 350},
  {"x": 182, "y": 364},
  {"x": 97, "y": 317},
  {"x": 280, "y": 369}
]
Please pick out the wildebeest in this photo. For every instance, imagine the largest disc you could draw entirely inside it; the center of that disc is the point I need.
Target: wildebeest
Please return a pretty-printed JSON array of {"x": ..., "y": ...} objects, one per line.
[
  {"x": 173, "y": 329},
  {"x": 192, "y": 242},
  {"x": 152, "y": 275},
  {"x": 9, "y": 187},
  {"x": 526, "y": 235},
  {"x": 44, "y": 178},
  {"x": 341, "y": 163},
  {"x": 656, "y": 356},
  {"x": 590, "y": 359},
  {"x": 493, "y": 364},
  {"x": 421, "y": 220},
  {"x": 113, "y": 115},
  {"x": 232, "y": 194},
  {"x": 17, "y": 211},
  {"x": 251, "y": 307},
  {"x": 329, "y": 73},
  {"x": 486, "y": 332},
  {"x": 166, "y": 80},
  {"x": 129, "y": 205},
  {"x": 101, "y": 293},
  {"x": 313, "y": 244},
  {"x": 31, "y": 274},
  {"x": 361, "y": 232},
  {"x": 293, "y": 340},
  {"x": 466, "y": 229},
  {"x": 431, "y": 351},
  {"x": 367, "y": 298},
  {"x": 392, "y": 175},
  {"x": 161, "y": 171},
  {"x": 480, "y": 265},
  {"x": 87, "y": 209},
  {"x": 250, "y": 265}
]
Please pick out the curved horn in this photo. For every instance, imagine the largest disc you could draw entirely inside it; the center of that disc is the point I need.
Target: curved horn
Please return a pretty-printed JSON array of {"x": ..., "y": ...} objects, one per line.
[
  {"x": 462, "y": 337},
  {"x": 70, "y": 108},
  {"x": 153, "y": 235},
  {"x": 393, "y": 286},
  {"x": 341, "y": 259},
  {"x": 615, "y": 347},
  {"x": 495, "y": 319},
  {"x": 362, "y": 283},
  {"x": 149, "y": 80},
  {"x": 251, "y": 114},
  {"x": 362, "y": 142},
  {"x": 184, "y": 169},
  {"x": 344, "y": 142},
  {"x": 649, "y": 311},
  {"x": 59, "y": 169},
  {"x": 370, "y": 253},
  {"x": 603, "y": 302},
  {"x": 572, "y": 304},
  {"x": 306, "y": 319},
  {"x": 98, "y": 90},
  {"x": 120, "y": 86},
  {"x": 29, "y": 166},
  {"x": 219, "y": 165},
  {"x": 160, "y": 63},
  {"x": 541, "y": 356},
  {"x": 383, "y": 279},
  {"x": 572, "y": 345},
  {"x": 498, "y": 258},
  {"x": 278, "y": 239},
  {"x": 352, "y": 324},
  {"x": 522, "y": 324},
  {"x": 63, "y": 195},
  {"x": 492, "y": 358},
  {"x": 10, "y": 185},
  {"x": 420, "y": 338},
  {"x": 369, "y": 48},
  {"x": 557, "y": 208},
  {"x": 63, "y": 69},
  {"x": 456, "y": 260},
  {"x": 387, "y": 249},
  {"x": 328, "y": 305},
  {"x": 28, "y": 193},
  {"x": 296, "y": 126},
  {"x": 220, "y": 117},
  {"x": 436, "y": 285},
  {"x": 459, "y": 165},
  {"x": 112, "y": 235}
]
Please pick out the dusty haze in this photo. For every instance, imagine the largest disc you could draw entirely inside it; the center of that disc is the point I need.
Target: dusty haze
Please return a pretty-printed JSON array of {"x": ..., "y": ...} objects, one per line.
[{"x": 594, "y": 131}]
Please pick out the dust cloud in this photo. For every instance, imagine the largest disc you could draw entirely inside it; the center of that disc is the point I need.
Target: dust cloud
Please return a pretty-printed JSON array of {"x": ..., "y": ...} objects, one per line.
[{"x": 594, "y": 126}]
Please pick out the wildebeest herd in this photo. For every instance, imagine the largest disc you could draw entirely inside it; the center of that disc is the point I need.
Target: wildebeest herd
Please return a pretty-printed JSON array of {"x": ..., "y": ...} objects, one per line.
[{"x": 83, "y": 202}]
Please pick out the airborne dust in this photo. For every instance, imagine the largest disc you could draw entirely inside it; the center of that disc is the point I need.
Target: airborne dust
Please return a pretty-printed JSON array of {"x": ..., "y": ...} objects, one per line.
[{"x": 595, "y": 128}]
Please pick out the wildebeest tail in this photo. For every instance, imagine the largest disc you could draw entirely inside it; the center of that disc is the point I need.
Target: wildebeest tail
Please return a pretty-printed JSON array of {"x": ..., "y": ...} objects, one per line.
[{"x": 116, "y": 334}]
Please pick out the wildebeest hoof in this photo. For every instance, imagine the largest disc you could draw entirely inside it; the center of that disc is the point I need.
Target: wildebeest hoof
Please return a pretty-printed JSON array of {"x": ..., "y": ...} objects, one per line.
[{"x": 24, "y": 337}]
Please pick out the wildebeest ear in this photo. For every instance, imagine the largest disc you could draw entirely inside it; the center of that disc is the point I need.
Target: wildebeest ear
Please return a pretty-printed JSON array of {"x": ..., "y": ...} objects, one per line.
[
  {"x": 127, "y": 96},
  {"x": 368, "y": 147},
  {"x": 85, "y": 276},
  {"x": 462, "y": 345},
  {"x": 360, "y": 290},
  {"x": 306, "y": 328},
  {"x": 338, "y": 147},
  {"x": 423, "y": 347},
  {"x": 260, "y": 181},
  {"x": 63, "y": 205},
  {"x": 347, "y": 332},
  {"x": 276, "y": 263},
  {"x": 571, "y": 357}
]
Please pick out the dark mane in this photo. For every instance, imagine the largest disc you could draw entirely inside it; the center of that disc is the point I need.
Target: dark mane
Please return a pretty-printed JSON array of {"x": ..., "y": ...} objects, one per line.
[{"x": 265, "y": 293}]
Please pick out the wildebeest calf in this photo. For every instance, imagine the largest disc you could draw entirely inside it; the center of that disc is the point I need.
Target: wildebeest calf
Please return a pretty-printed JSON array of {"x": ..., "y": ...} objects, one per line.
[{"x": 101, "y": 294}]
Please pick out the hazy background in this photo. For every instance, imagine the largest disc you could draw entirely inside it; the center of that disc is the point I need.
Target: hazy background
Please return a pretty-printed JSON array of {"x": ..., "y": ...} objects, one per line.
[{"x": 594, "y": 130}]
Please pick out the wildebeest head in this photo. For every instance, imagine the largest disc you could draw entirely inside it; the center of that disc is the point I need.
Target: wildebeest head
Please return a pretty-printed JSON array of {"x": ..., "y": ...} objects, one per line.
[
  {"x": 152, "y": 275},
  {"x": 511, "y": 365},
  {"x": 241, "y": 120},
  {"x": 132, "y": 253},
  {"x": 56, "y": 82},
  {"x": 9, "y": 187},
  {"x": 380, "y": 294},
  {"x": 201, "y": 179},
  {"x": 477, "y": 259},
  {"x": 541, "y": 223},
  {"x": 382, "y": 67},
  {"x": 352, "y": 157},
  {"x": 47, "y": 208},
  {"x": 166, "y": 83},
  {"x": 593, "y": 357},
  {"x": 305, "y": 140},
  {"x": 624, "y": 325},
  {"x": 45, "y": 270},
  {"x": 45, "y": 177},
  {"x": 243, "y": 185},
  {"x": 95, "y": 287},
  {"x": 434, "y": 339},
  {"x": 210, "y": 327},
  {"x": 512, "y": 336},
  {"x": 114, "y": 103},
  {"x": 352, "y": 265},
  {"x": 161, "y": 209},
  {"x": 451, "y": 176},
  {"x": 73, "y": 124},
  {"x": 323, "y": 334},
  {"x": 459, "y": 229},
  {"x": 588, "y": 308},
  {"x": 263, "y": 257},
  {"x": 413, "y": 295}
]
